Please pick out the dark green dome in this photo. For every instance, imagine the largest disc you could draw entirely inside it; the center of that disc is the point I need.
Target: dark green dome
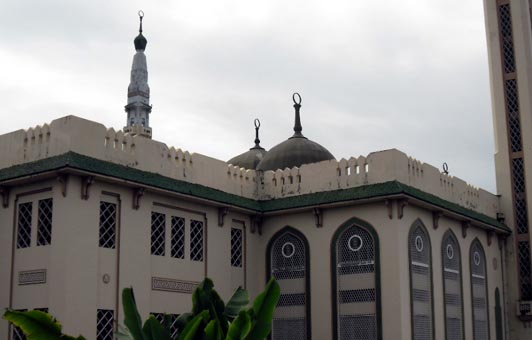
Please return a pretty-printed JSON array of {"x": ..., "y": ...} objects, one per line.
[{"x": 296, "y": 150}]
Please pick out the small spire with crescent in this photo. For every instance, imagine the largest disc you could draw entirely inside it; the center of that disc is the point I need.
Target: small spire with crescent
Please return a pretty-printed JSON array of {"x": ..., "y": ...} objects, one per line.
[
  {"x": 140, "y": 41},
  {"x": 257, "y": 140},
  {"x": 297, "y": 124}
]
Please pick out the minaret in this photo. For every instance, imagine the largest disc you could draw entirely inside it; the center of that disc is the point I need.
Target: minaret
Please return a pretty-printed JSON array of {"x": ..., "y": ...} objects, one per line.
[
  {"x": 509, "y": 38},
  {"x": 138, "y": 106}
]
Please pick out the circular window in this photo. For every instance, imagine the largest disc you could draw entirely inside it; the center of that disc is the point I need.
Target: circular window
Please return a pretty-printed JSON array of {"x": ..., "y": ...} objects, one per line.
[
  {"x": 354, "y": 243},
  {"x": 419, "y": 243},
  {"x": 450, "y": 251},
  {"x": 476, "y": 258},
  {"x": 288, "y": 249}
]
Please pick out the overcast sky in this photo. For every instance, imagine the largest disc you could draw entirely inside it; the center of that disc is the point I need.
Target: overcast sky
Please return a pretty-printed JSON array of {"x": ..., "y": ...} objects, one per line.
[{"x": 373, "y": 75}]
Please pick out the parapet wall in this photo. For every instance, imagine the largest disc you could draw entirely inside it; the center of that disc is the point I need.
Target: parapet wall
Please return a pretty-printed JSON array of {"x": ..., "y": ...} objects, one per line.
[
  {"x": 92, "y": 139},
  {"x": 95, "y": 140},
  {"x": 377, "y": 167}
]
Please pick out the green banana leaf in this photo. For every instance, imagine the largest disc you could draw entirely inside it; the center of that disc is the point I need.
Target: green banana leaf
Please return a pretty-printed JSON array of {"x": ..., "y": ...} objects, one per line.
[
  {"x": 263, "y": 309},
  {"x": 240, "y": 327},
  {"x": 38, "y": 325},
  {"x": 153, "y": 330},
  {"x": 190, "y": 331},
  {"x": 132, "y": 319},
  {"x": 238, "y": 302}
]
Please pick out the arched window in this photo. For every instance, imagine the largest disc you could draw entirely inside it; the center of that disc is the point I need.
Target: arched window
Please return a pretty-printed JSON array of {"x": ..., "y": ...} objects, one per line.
[
  {"x": 479, "y": 292},
  {"x": 355, "y": 261},
  {"x": 452, "y": 285},
  {"x": 421, "y": 282},
  {"x": 288, "y": 263}
]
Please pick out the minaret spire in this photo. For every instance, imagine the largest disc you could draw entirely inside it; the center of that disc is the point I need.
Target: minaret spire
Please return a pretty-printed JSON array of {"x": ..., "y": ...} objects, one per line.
[
  {"x": 138, "y": 106},
  {"x": 297, "y": 123}
]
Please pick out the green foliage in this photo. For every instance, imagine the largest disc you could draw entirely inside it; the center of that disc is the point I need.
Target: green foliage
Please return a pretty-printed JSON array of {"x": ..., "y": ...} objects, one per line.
[
  {"x": 38, "y": 325},
  {"x": 210, "y": 318}
]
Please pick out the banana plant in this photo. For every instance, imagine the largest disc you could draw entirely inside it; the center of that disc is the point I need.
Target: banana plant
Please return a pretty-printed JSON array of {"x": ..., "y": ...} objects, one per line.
[
  {"x": 210, "y": 318},
  {"x": 38, "y": 325}
]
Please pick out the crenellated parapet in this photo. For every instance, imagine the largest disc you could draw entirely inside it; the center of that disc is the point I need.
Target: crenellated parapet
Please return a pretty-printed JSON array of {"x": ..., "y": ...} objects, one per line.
[
  {"x": 377, "y": 167},
  {"x": 95, "y": 140}
]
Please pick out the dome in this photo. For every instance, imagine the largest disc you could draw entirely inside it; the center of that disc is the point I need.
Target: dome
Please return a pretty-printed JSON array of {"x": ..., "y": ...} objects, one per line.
[
  {"x": 140, "y": 42},
  {"x": 248, "y": 159},
  {"x": 296, "y": 150},
  {"x": 253, "y": 156}
]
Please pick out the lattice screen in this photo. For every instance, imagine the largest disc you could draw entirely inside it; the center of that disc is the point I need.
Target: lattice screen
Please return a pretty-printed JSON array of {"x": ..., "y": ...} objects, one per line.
[
  {"x": 355, "y": 277},
  {"x": 421, "y": 284},
  {"x": 196, "y": 240},
  {"x": 158, "y": 232},
  {"x": 105, "y": 324},
  {"x": 24, "y": 225},
  {"x": 236, "y": 247},
  {"x": 44, "y": 225},
  {"x": 452, "y": 288},
  {"x": 505, "y": 26},
  {"x": 107, "y": 237},
  {"x": 172, "y": 320},
  {"x": 512, "y": 113},
  {"x": 288, "y": 266},
  {"x": 178, "y": 237},
  {"x": 525, "y": 269},
  {"x": 479, "y": 292}
]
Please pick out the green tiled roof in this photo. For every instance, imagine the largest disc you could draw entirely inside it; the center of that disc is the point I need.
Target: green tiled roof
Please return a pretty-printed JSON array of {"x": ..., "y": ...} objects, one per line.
[{"x": 97, "y": 166}]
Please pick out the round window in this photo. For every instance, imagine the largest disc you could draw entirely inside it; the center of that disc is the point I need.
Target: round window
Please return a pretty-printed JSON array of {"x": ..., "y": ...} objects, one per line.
[
  {"x": 450, "y": 251},
  {"x": 419, "y": 243},
  {"x": 476, "y": 258},
  {"x": 288, "y": 249},
  {"x": 355, "y": 243}
]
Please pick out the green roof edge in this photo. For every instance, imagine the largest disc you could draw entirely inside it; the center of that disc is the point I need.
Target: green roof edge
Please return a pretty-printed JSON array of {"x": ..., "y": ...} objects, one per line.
[{"x": 106, "y": 168}]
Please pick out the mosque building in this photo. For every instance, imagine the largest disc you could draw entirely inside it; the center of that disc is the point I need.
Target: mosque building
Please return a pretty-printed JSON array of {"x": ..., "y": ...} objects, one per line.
[{"x": 381, "y": 246}]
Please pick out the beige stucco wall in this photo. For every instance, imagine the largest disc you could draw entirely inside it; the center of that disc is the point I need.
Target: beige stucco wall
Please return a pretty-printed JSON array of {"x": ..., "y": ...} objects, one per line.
[{"x": 522, "y": 38}]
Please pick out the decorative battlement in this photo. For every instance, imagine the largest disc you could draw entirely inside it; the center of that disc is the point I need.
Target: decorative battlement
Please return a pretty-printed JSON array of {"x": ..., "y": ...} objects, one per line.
[{"x": 95, "y": 140}]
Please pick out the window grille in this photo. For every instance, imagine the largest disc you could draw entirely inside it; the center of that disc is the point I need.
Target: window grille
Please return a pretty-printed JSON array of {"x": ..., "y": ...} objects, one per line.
[
  {"x": 107, "y": 225},
  {"x": 157, "y": 233},
  {"x": 24, "y": 225},
  {"x": 196, "y": 240},
  {"x": 512, "y": 111},
  {"x": 17, "y": 333},
  {"x": 525, "y": 269},
  {"x": 479, "y": 292},
  {"x": 172, "y": 318},
  {"x": 452, "y": 278},
  {"x": 288, "y": 265},
  {"x": 178, "y": 237},
  {"x": 44, "y": 225},
  {"x": 505, "y": 27},
  {"x": 105, "y": 324},
  {"x": 421, "y": 284},
  {"x": 355, "y": 254},
  {"x": 236, "y": 247}
]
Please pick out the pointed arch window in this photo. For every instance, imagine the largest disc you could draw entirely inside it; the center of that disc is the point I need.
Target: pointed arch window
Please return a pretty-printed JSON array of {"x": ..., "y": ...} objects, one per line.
[
  {"x": 421, "y": 283},
  {"x": 289, "y": 264},
  {"x": 452, "y": 285},
  {"x": 356, "y": 266},
  {"x": 479, "y": 292}
]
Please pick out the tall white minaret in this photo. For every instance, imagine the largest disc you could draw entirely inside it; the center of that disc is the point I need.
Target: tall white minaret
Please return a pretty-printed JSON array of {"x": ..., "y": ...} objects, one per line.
[
  {"x": 509, "y": 38},
  {"x": 138, "y": 106}
]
